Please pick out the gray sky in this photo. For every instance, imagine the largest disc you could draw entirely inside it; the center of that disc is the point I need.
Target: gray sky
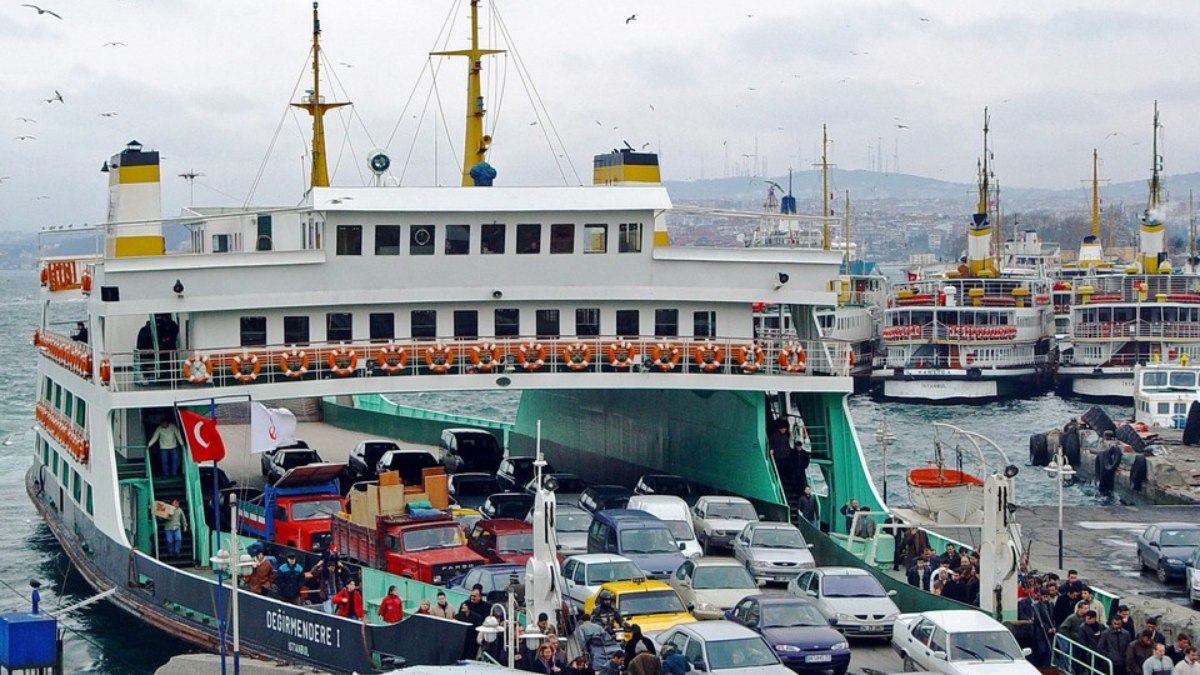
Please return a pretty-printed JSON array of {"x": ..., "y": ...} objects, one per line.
[{"x": 207, "y": 82}]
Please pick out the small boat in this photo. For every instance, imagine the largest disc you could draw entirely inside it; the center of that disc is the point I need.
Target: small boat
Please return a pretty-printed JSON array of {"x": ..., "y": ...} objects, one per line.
[{"x": 950, "y": 495}]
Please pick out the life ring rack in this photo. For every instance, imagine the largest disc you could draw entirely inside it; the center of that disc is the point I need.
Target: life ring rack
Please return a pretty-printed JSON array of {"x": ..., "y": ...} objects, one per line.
[
  {"x": 577, "y": 355},
  {"x": 342, "y": 361},
  {"x": 485, "y": 356},
  {"x": 708, "y": 356},
  {"x": 439, "y": 358},
  {"x": 245, "y": 367},
  {"x": 391, "y": 358},
  {"x": 293, "y": 363},
  {"x": 531, "y": 355}
]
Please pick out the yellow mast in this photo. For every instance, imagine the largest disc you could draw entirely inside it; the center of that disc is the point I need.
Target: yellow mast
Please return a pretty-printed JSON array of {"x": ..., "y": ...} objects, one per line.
[
  {"x": 979, "y": 234},
  {"x": 824, "y": 188},
  {"x": 317, "y": 108},
  {"x": 846, "y": 221},
  {"x": 476, "y": 144},
  {"x": 1095, "y": 195},
  {"x": 1151, "y": 240}
]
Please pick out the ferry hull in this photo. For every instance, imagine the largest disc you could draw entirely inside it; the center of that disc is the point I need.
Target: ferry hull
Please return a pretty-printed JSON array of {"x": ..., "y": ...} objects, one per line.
[
  {"x": 958, "y": 386},
  {"x": 1108, "y": 385}
]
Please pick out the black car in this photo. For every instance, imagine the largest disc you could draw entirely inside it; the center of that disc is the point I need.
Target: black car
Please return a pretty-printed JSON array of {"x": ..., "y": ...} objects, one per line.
[
  {"x": 495, "y": 580},
  {"x": 364, "y": 458},
  {"x": 515, "y": 472},
  {"x": 470, "y": 490},
  {"x": 601, "y": 497},
  {"x": 265, "y": 458},
  {"x": 507, "y": 505},
  {"x": 668, "y": 484},
  {"x": 409, "y": 463},
  {"x": 470, "y": 450},
  {"x": 290, "y": 458}
]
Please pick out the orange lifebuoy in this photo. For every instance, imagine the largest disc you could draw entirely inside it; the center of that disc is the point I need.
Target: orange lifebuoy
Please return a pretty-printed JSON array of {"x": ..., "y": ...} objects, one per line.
[
  {"x": 293, "y": 363},
  {"x": 85, "y": 283},
  {"x": 391, "y": 358},
  {"x": 792, "y": 359},
  {"x": 531, "y": 355},
  {"x": 37, "y": 338},
  {"x": 105, "y": 370},
  {"x": 621, "y": 354},
  {"x": 665, "y": 355},
  {"x": 342, "y": 361},
  {"x": 485, "y": 357},
  {"x": 578, "y": 356},
  {"x": 245, "y": 367},
  {"x": 196, "y": 369},
  {"x": 708, "y": 356},
  {"x": 439, "y": 358},
  {"x": 750, "y": 357},
  {"x": 45, "y": 276}
]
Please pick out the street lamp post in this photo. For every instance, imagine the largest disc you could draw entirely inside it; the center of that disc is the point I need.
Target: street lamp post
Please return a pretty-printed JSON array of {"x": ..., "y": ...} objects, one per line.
[
  {"x": 1060, "y": 470},
  {"x": 885, "y": 437},
  {"x": 220, "y": 563}
]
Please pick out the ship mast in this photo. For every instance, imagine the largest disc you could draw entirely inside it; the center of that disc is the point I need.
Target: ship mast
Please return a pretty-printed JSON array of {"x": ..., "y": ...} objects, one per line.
[
  {"x": 846, "y": 221},
  {"x": 476, "y": 143},
  {"x": 824, "y": 188},
  {"x": 1095, "y": 195},
  {"x": 979, "y": 233},
  {"x": 317, "y": 108},
  {"x": 1151, "y": 238}
]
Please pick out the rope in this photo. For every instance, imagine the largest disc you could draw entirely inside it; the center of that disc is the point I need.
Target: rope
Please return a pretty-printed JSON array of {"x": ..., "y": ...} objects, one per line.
[{"x": 271, "y": 147}]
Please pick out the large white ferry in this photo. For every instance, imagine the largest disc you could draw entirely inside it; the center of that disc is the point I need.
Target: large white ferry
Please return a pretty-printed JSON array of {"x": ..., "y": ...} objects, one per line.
[{"x": 633, "y": 356}]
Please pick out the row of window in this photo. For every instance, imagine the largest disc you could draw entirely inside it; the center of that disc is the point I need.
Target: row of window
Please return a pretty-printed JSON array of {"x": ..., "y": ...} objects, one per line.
[
  {"x": 67, "y": 476},
  {"x": 492, "y": 239},
  {"x": 506, "y": 322},
  {"x": 71, "y": 406}
]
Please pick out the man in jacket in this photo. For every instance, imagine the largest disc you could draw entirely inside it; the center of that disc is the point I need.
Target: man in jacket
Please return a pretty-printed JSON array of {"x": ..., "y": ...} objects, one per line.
[
  {"x": 1137, "y": 651},
  {"x": 1089, "y": 631},
  {"x": 287, "y": 580},
  {"x": 442, "y": 607},
  {"x": 262, "y": 577},
  {"x": 1158, "y": 663},
  {"x": 918, "y": 574},
  {"x": 1065, "y": 604},
  {"x": 1070, "y": 625},
  {"x": 1031, "y": 608},
  {"x": 1113, "y": 643},
  {"x": 807, "y": 505},
  {"x": 1095, "y": 605},
  {"x": 349, "y": 601},
  {"x": 1190, "y": 665},
  {"x": 1177, "y": 650}
]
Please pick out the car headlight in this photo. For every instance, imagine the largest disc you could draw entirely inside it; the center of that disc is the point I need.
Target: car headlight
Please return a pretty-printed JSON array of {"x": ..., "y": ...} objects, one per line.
[
  {"x": 706, "y": 607},
  {"x": 787, "y": 648},
  {"x": 838, "y": 646},
  {"x": 840, "y": 616},
  {"x": 891, "y": 617},
  {"x": 1174, "y": 561},
  {"x": 760, "y": 564},
  {"x": 437, "y": 578}
]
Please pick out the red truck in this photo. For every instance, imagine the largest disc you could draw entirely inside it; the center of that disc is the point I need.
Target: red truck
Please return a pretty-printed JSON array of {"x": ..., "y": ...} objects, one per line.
[
  {"x": 429, "y": 548},
  {"x": 297, "y": 510}
]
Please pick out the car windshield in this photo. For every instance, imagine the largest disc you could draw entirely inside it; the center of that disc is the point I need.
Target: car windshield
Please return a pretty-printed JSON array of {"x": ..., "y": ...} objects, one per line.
[
  {"x": 501, "y": 579},
  {"x": 522, "y": 471},
  {"x": 748, "y": 652},
  {"x": 572, "y": 522},
  {"x": 648, "y": 540},
  {"x": 409, "y": 464},
  {"x": 315, "y": 509},
  {"x": 511, "y": 508},
  {"x": 1180, "y": 538},
  {"x": 474, "y": 487},
  {"x": 722, "y": 576},
  {"x": 731, "y": 510},
  {"x": 791, "y": 614},
  {"x": 995, "y": 645},
  {"x": 672, "y": 486},
  {"x": 649, "y": 602},
  {"x": 293, "y": 459},
  {"x": 520, "y": 542},
  {"x": 680, "y": 529},
  {"x": 468, "y": 520},
  {"x": 851, "y": 586},
  {"x": 777, "y": 537},
  {"x": 373, "y": 452},
  {"x": 473, "y": 444},
  {"x": 570, "y": 485},
  {"x": 426, "y": 538},
  {"x": 623, "y": 570}
]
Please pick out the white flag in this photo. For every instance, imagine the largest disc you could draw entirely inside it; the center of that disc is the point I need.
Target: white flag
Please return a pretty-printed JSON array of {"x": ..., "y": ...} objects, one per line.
[{"x": 270, "y": 427}]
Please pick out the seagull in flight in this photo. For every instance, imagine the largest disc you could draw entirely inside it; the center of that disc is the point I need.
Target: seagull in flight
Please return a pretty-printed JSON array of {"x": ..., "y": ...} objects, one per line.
[
  {"x": 24, "y": 138},
  {"x": 901, "y": 126},
  {"x": 925, "y": 19},
  {"x": 57, "y": 97},
  {"x": 632, "y": 17},
  {"x": 107, "y": 114},
  {"x": 115, "y": 44},
  {"x": 1115, "y": 133},
  {"x": 30, "y": 120},
  {"x": 41, "y": 11},
  {"x": 343, "y": 63}
]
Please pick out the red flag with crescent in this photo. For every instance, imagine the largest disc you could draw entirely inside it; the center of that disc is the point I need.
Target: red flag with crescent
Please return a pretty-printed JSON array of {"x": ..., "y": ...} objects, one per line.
[{"x": 203, "y": 438}]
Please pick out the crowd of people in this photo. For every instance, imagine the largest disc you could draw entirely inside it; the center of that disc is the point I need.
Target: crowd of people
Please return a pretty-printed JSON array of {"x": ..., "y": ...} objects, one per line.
[{"x": 953, "y": 573}]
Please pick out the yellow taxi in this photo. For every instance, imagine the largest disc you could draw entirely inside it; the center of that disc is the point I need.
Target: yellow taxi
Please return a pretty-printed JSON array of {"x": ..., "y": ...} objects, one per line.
[
  {"x": 651, "y": 604},
  {"x": 466, "y": 518}
]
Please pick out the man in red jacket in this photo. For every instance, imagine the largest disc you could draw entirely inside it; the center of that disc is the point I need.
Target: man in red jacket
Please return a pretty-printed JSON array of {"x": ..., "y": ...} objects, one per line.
[
  {"x": 391, "y": 608},
  {"x": 348, "y": 601}
]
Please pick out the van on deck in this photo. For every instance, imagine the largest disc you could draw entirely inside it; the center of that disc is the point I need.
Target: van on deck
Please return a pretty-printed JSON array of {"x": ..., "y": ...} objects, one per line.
[{"x": 639, "y": 536}]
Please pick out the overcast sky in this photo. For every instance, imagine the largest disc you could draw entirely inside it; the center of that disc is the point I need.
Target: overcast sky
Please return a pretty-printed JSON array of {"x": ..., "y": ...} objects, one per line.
[{"x": 716, "y": 87}]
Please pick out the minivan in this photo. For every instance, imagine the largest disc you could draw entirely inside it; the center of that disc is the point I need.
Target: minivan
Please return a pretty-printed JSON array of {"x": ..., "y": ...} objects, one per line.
[
  {"x": 470, "y": 450},
  {"x": 639, "y": 536},
  {"x": 675, "y": 513}
]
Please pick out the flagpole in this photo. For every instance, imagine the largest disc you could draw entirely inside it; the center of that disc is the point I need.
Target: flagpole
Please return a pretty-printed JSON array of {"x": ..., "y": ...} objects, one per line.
[{"x": 216, "y": 506}]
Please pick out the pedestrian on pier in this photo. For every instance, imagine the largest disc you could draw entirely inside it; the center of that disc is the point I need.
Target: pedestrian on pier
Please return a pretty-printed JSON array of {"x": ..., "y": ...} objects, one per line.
[
  {"x": 807, "y": 505},
  {"x": 1176, "y": 651},
  {"x": 848, "y": 510},
  {"x": 1090, "y": 631},
  {"x": 1095, "y": 605},
  {"x": 1065, "y": 605},
  {"x": 1113, "y": 645},
  {"x": 1190, "y": 665},
  {"x": 1159, "y": 663},
  {"x": 1070, "y": 625},
  {"x": 1138, "y": 651},
  {"x": 1152, "y": 626}
]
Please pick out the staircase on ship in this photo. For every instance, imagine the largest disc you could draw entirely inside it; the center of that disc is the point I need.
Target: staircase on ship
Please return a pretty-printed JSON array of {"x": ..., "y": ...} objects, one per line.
[{"x": 164, "y": 489}]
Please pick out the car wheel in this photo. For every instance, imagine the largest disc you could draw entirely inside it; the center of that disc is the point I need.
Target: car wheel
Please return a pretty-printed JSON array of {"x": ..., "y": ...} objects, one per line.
[
  {"x": 909, "y": 666},
  {"x": 1141, "y": 561},
  {"x": 1161, "y": 572}
]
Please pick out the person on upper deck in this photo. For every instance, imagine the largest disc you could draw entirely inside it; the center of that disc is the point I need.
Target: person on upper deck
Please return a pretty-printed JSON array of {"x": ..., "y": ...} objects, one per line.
[{"x": 167, "y": 440}]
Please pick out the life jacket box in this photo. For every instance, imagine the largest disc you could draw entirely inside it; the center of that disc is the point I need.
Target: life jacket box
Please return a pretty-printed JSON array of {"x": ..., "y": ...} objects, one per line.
[
  {"x": 163, "y": 510},
  {"x": 27, "y": 641}
]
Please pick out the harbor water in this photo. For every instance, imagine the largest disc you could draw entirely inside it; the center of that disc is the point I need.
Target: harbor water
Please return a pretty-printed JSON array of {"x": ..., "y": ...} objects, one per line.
[{"x": 102, "y": 639}]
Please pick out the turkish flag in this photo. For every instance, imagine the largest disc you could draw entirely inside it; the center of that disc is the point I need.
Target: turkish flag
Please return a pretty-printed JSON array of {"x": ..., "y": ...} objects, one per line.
[{"x": 203, "y": 438}]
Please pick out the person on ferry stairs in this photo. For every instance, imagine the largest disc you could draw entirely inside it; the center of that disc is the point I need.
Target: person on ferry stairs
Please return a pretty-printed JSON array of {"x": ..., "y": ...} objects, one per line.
[
  {"x": 167, "y": 440},
  {"x": 848, "y": 510},
  {"x": 173, "y": 526},
  {"x": 781, "y": 447},
  {"x": 807, "y": 506}
]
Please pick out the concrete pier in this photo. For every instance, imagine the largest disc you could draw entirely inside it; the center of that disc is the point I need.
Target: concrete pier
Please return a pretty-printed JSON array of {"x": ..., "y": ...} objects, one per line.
[
  {"x": 1172, "y": 469},
  {"x": 203, "y": 664}
]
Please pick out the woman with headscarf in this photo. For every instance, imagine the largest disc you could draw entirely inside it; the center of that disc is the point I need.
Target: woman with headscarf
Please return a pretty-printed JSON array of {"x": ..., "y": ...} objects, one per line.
[{"x": 637, "y": 643}]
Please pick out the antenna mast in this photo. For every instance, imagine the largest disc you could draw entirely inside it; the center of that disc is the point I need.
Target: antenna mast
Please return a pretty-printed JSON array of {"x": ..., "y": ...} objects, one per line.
[
  {"x": 824, "y": 188},
  {"x": 1095, "y": 195},
  {"x": 317, "y": 107}
]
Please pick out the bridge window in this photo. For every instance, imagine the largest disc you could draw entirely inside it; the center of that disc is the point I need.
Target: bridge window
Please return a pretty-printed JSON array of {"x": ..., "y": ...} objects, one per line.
[
  {"x": 295, "y": 330},
  {"x": 222, "y": 243},
  {"x": 458, "y": 239},
  {"x": 253, "y": 331},
  {"x": 383, "y": 326},
  {"x": 562, "y": 238},
  {"x": 628, "y": 323},
  {"x": 420, "y": 240},
  {"x": 587, "y": 321},
  {"x": 81, "y": 412},
  {"x": 508, "y": 322},
  {"x": 529, "y": 238},
  {"x": 339, "y": 327},
  {"x": 262, "y": 242},
  {"x": 491, "y": 239},
  {"x": 466, "y": 324},
  {"x": 387, "y": 240},
  {"x": 630, "y": 240},
  {"x": 349, "y": 239},
  {"x": 595, "y": 238},
  {"x": 704, "y": 324},
  {"x": 666, "y": 322},
  {"x": 424, "y": 323},
  {"x": 547, "y": 324}
]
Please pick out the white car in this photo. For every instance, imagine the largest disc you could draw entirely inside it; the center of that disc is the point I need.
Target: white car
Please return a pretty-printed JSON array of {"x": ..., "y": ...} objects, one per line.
[
  {"x": 570, "y": 528},
  {"x": 854, "y": 601},
  {"x": 583, "y": 574},
  {"x": 673, "y": 511},
  {"x": 958, "y": 642},
  {"x": 723, "y": 647},
  {"x": 712, "y": 585},
  {"x": 773, "y": 551},
  {"x": 719, "y": 519}
]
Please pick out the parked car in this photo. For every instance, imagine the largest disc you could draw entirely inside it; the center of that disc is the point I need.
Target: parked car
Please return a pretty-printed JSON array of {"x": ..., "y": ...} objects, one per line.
[
  {"x": 470, "y": 490},
  {"x": 570, "y": 528},
  {"x": 719, "y": 519},
  {"x": 466, "y": 518},
  {"x": 584, "y": 574},
  {"x": 1193, "y": 578},
  {"x": 515, "y": 472},
  {"x": 796, "y": 630},
  {"x": 854, "y": 601},
  {"x": 265, "y": 458},
  {"x": 668, "y": 484},
  {"x": 650, "y": 604},
  {"x": 603, "y": 497},
  {"x": 723, "y": 647},
  {"x": 409, "y": 463},
  {"x": 470, "y": 450},
  {"x": 773, "y": 551},
  {"x": 365, "y": 457},
  {"x": 673, "y": 511},
  {"x": 1166, "y": 548},
  {"x": 958, "y": 641},
  {"x": 495, "y": 580},
  {"x": 502, "y": 540},
  {"x": 289, "y": 458},
  {"x": 567, "y": 486},
  {"x": 639, "y": 536},
  {"x": 507, "y": 505},
  {"x": 711, "y": 585}
]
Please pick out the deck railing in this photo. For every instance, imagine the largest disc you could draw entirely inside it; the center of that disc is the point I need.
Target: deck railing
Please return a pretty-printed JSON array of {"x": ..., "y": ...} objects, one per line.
[
  {"x": 1136, "y": 329},
  {"x": 1072, "y": 657},
  {"x": 141, "y": 369}
]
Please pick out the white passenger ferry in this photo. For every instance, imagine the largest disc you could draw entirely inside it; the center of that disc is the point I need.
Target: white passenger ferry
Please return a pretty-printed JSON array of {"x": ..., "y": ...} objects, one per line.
[{"x": 1164, "y": 393}]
